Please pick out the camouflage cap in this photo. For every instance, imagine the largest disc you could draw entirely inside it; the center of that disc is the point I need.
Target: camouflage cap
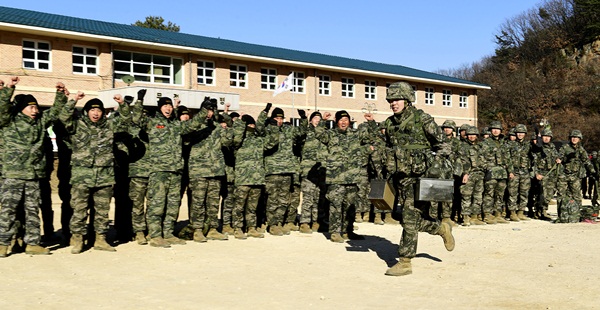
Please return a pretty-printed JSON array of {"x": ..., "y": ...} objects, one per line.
[
  {"x": 520, "y": 128},
  {"x": 449, "y": 124},
  {"x": 547, "y": 132},
  {"x": 472, "y": 130},
  {"x": 576, "y": 133},
  {"x": 400, "y": 91},
  {"x": 495, "y": 125},
  {"x": 485, "y": 131},
  {"x": 511, "y": 132},
  {"x": 464, "y": 127}
]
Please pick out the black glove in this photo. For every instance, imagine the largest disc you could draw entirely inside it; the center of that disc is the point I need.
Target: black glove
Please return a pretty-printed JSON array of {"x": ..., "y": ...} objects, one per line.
[
  {"x": 128, "y": 99},
  {"x": 302, "y": 114},
  {"x": 141, "y": 94},
  {"x": 272, "y": 121},
  {"x": 268, "y": 107}
]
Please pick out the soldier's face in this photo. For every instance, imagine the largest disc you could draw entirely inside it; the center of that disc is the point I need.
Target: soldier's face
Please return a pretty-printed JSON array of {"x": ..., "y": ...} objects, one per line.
[
  {"x": 397, "y": 105},
  {"x": 279, "y": 120},
  {"x": 210, "y": 113},
  {"x": 166, "y": 110},
  {"x": 546, "y": 139},
  {"x": 184, "y": 117},
  {"x": 472, "y": 138},
  {"x": 315, "y": 120},
  {"x": 495, "y": 132},
  {"x": 343, "y": 123},
  {"x": 512, "y": 138},
  {"x": 520, "y": 135},
  {"x": 95, "y": 114},
  {"x": 448, "y": 131},
  {"x": 31, "y": 111},
  {"x": 463, "y": 133},
  {"x": 575, "y": 140}
]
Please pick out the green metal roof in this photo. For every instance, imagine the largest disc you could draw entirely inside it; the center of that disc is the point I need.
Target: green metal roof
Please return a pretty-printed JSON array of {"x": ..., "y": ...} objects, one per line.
[{"x": 94, "y": 27}]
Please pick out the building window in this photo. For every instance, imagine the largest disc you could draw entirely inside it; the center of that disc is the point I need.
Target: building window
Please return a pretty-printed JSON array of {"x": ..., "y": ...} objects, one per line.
[
  {"x": 85, "y": 60},
  {"x": 446, "y": 98},
  {"x": 36, "y": 55},
  {"x": 238, "y": 76},
  {"x": 268, "y": 79},
  {"x": 347, "y": 87},
  {"x": 206, "y": 72},
  {"x": 463, "y": 100},
  {"x": 148, "y": 68},
  {"x": 415, "y": 93},
  {"x": 429, "y": 93},
  {"x": 298, "y": 82},
  {"x": 324, "y": 85},
  {"x": 370, "y": 90}
]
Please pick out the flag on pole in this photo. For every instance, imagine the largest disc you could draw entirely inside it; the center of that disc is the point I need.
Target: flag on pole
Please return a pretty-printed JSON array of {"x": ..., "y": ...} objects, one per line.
[{"x": 286, "y": 85}]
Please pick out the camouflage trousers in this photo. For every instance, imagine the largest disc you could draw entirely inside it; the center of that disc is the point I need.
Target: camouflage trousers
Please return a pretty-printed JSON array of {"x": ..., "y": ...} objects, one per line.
[
  {"x": 310, "y": 202},
  {"x": 138, "y": 187},
  {"x": 163, "y": 203},
  {"x": 205, "y": 202},
  {"x": 569, "y": 188},
  {"x": 292, "y": 211},
  {"x": 15, "y": 191},
  {"x": 415, "y": 219},
  {"x": 81, "y": 198},
  {"x": 245, "y": 202},
  {"x": 278, "y": 197},
  {"x": 342, "y": 198},
  {"x": 518, "y": 192},
  {"x": 493, "y": 195},
  {"x": 543, "y": 197},
  {"x": 227, "y": 203},
  {"x": 472, "y": 194},
  {"x": 362, "y": 198}
]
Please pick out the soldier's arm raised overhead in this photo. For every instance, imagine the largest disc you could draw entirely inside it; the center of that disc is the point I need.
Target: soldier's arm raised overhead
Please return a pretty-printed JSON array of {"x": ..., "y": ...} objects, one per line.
[
  {"x": 66, "y": 114},
  {"x": 122, "y": 123},
  {"x": 60, "y": 99},
  {"x": 137, "y": 112},
  {"x": 6, "y": 93}
]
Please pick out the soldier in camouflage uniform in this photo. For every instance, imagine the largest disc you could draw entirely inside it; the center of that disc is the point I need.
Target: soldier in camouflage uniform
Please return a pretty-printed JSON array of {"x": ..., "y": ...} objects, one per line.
[
  {"x": 497, "y": 160},
  {"x": 314, "y": 154},
  {"x": 519, "y": 181},
  {"x": 281, "y": 164},
  {"x": 450, "y": 208},
  {"x": 24, "y": 163},
  {"x": 249, "y": 142},
  {"x": 411, "y": 135},
  {"x": 471, "y": 189},
  {"x": 575, "y": 162},
  {"x": 347, "y": 151},
  {"x": 206, "y": 172},
  {"x": 227, "y": 188},
  {"x": 92, "y": 165},
  {"x": 545, "y": 164},
  {"x": 165, "y": 133}
]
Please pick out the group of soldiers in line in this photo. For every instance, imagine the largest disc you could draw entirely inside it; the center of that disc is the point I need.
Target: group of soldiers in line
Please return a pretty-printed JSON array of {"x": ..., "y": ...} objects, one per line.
[{"x": 237, "y": 165}]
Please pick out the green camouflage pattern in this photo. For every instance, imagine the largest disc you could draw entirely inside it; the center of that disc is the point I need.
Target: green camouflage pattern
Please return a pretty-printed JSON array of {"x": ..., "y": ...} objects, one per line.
[
  {"x": 473, "y": 164},
  {"x": 497, "y": 157},
  {"x": 246, "y": 201},
  {"x": 164, "y": 199},
  {"x": 206, "y": 155},
  {"x": 313, "y": 152},
  {"x": 280, "y": 159},
  {"x": 24, "y": 156},
  {"x": 310, "y": 202},
  {"x": 341, "y": 215},
  {"x": 520, "y": 183},
  {"x": 249, "y": 148},
  {"x": 138, "y": 187},
  {"x": 205, "y": 202},
  {"x": 14, "y": 192},
  {"x": 278, "y": 189},
  {"x": 80, "y": 196},
  {"x": 399, "y": 91}
]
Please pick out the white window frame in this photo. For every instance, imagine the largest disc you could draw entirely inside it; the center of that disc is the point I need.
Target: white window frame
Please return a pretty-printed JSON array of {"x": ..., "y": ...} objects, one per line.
[
  {"x": 429, "y": 96},
  {"x": 463, "y": 100},
  {"x": 447, "y": 98},
  {"x": 205, "y": 74},
  {"x": 324, "y": 85},
  {"x": 370, "y": 89},
  {"x": 85, "y": 66},
  {"x": 271, "y": 79},
  {"x": 154, "y": 76},
  {"x": 299, "y": 82},
  {"x": 347, "y": 87},
  {"x": 240, "y": 80},
  {"x": 36, "y": 61}
]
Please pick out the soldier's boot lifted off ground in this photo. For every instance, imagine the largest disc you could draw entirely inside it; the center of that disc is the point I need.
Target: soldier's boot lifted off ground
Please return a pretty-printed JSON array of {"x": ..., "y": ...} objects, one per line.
[{"x": 446, "y": 233}]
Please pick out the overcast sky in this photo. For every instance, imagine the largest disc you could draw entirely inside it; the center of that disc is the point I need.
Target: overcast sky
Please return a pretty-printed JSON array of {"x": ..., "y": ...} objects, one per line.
[{"x": 426, "y": 35}]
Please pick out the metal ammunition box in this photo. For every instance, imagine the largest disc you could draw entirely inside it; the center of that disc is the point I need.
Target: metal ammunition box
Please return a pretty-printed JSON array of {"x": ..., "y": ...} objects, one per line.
[
  {"x": 382, "y": 195},
  {"x": 434, "y": 190}
]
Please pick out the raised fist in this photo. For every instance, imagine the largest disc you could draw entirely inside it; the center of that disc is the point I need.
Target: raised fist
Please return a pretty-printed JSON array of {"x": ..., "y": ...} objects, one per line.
[
  {"x": 128, "y": 99},
  {"x": 118, "y": 98},
  {"x": 268, "y": 107},
  {"x": 141, "y": 94},
  {"x": 78, "y": 96},
  {"x": 13, "y": 81},
  {"x": 326, "y": 115},
  {"x": 302, "y": 114}
]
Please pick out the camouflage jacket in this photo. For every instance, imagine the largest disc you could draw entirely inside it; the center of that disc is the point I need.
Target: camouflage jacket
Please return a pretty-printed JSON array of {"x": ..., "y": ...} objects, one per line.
[
  {"x": 281, "y": 159},
  {"x": 139, "y": 160},
  {"x": 206, "y": 155},
  {"x": 544, "y": 159},
  {"x": 348, "y": 152},
  {"x": 520, "y": 161},
  {"x": 165, "y": 137},
  {"x": 471, "y": 155},
  {"x": 249, "y": 148},
  {"x": 496, "y": 156},
  {"x": 575, "y": 160},
  {"x": 24, "y": 156},
  {"x": 454, "y": 157},
  {"x": 411, "y": 135},
  {"x": 92, "y": 158},
  {"x": 313, "y": 152}
]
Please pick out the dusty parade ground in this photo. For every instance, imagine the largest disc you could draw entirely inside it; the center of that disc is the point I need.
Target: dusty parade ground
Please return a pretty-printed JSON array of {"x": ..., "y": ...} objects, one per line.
[{"x": 525, "y": 265}]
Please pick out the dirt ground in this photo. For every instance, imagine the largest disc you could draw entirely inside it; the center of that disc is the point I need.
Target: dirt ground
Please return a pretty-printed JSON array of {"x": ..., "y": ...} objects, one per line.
[{"x": 525, "y": 265}]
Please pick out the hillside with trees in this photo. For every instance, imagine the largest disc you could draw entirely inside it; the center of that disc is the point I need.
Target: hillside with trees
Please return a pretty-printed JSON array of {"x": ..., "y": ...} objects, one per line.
[{"x": 546, "y": 67}]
